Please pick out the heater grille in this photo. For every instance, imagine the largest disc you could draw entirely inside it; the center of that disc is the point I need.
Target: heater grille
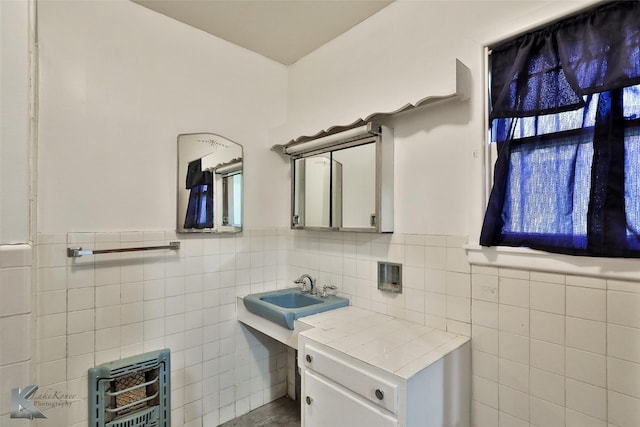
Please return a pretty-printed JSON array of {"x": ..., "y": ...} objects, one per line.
[{"x": 131, "y": 392}]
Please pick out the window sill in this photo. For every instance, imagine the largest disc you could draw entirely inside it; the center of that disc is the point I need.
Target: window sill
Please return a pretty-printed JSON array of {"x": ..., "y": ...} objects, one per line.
[{"x": 529, "y": 259}]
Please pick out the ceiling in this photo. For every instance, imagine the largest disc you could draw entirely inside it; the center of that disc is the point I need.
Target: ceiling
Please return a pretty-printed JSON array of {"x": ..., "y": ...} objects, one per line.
[{"x": 284, "y": 30}]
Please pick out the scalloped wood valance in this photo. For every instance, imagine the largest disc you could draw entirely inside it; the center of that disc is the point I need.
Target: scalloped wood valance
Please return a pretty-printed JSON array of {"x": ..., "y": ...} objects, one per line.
[{"x": 452, "y": 84}]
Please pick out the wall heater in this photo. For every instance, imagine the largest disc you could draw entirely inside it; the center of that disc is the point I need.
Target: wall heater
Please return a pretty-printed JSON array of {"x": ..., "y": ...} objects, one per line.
[{"x": 131, "y": 392}]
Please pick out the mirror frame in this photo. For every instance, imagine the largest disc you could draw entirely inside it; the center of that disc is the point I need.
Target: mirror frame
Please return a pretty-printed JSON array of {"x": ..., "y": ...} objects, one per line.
[{"x": 228, "y": 164}]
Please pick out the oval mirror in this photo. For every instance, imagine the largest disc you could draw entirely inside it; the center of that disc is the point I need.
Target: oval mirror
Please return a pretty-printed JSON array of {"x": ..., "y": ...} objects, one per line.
[{"x": 209, "y": 184}]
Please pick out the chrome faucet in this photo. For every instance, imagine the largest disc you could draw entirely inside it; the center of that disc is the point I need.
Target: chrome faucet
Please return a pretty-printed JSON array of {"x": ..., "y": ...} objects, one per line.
[{"x": 312, "y": 283}]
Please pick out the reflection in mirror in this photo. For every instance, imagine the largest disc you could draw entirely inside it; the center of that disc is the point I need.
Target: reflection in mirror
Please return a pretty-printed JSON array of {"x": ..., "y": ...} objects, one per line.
[
  {"x": 209, "y": 184},
  {"x": 337, "y": 189},
  {"x": 358, "y": 185},
  {"x": 232, "y": 197},
  {"x": 297, "y": 189},
  {"x": 334, "y": 189},
  {"x": 316, "y": 203}
]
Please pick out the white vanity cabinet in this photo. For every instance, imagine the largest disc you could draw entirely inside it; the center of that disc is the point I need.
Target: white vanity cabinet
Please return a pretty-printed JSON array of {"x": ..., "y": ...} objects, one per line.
[{"x": 343, "y": 390}]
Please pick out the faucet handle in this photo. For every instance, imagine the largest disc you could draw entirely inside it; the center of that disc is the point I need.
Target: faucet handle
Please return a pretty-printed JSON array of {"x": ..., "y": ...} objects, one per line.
[
  {"x": 303, "y": 288},
  {"x": 325, "y": 289}
]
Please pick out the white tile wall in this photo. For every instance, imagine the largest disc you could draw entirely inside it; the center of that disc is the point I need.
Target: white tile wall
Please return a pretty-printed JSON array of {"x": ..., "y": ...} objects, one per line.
[
  {"x": 436, "y": 274},
  {"x": 15, "y": 291},
  {"x": 16, "y": 324},
  {"x": 548, "y": 349},
  {"x": 15, "y": 334},
  {"x": 12, "y": 376},
  {"x": 567, "y": 354},
  {"x": 95, "y": 309}
]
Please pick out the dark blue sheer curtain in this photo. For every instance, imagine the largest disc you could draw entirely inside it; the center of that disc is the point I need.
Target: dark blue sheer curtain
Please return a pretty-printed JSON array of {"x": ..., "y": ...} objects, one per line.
[
  {"x": 200, "y": 208},
  {"x": 565, "y": 115}
]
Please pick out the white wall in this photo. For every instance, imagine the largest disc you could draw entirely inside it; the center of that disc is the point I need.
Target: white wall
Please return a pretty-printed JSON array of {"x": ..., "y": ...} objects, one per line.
[
  {"x": 404, "y": 53},
  {"x": 111, "y": 69},
  {"x": 14, "y": 122},
  {"x": 549, "y": 349},
  {"x": 118, "y": 84},
  {"x": 373, "y": 64},
  {"x": 15, "y": 259}
]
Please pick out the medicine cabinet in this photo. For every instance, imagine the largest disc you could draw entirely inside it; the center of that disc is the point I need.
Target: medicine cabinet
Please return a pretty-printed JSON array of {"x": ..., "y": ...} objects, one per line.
[
  {"x": 210, "y": 184},
  {"x": 343, "y": 181}
]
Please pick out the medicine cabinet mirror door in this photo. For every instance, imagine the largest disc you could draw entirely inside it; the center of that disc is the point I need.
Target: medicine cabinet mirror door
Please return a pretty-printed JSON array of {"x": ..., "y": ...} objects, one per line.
[
  {"x": 210, "y": 184},
  {"x": 358, "y": 189},
  {"x": 336, "y": 190}
]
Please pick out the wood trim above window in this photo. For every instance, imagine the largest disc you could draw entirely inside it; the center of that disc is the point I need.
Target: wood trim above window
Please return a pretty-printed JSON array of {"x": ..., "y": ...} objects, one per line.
[{"x": 530, "y": 259}]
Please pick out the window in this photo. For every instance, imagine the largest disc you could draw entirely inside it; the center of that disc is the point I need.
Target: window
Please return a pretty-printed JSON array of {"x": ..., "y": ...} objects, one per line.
[{"x": 565, "y": 115}]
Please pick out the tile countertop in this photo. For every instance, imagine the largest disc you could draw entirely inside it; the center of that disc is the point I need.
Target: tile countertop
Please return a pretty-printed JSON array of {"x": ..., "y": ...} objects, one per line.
[{"x": 394, "y": 345}]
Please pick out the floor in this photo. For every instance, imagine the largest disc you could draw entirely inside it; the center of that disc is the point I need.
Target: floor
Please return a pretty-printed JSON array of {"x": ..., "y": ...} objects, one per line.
[{"x": 283, "y": 412}]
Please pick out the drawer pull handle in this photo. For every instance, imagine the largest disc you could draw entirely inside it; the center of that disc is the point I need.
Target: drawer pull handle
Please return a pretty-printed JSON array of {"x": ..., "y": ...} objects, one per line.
[
  {"x": 309, "y": 358},
  {"x": 309, "y": 400},
  {"x": 379, "y": 394}
]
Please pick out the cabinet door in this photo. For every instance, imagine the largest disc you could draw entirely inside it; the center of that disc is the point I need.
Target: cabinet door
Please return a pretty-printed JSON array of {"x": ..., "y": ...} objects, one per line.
[{"x": 327, "y": 404}]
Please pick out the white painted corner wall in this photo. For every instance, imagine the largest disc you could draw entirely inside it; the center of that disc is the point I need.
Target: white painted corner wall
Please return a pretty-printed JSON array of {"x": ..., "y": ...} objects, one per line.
[
  {"x": 406, "y": 52},
  {"x": 112, "y": 103},
  {"x": 118, "y": 84},
  {"x": 16, "y": 253},
  {"x": 14, "y": 122}
]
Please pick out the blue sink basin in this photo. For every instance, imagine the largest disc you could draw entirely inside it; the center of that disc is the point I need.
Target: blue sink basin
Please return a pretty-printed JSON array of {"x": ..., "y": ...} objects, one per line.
[
  {"x": 291, "y": 300},
  {"x": 286, "y": 305}
]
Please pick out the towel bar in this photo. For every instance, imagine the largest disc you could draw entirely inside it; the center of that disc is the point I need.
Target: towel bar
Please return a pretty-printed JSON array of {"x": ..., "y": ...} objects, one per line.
[{"x": 78, "y": 252}]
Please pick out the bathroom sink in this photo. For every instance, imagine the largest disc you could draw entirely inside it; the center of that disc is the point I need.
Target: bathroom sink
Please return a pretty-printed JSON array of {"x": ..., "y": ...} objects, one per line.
[
  {"x": 284, "y": 306},
  {"x": 291, "y": 300}
]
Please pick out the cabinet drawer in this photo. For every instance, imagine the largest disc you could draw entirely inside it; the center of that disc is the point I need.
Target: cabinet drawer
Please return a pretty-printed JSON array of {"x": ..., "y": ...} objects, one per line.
[
  {"x": 325, "y": 404},
  {"x": 366, "y": 384}
]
